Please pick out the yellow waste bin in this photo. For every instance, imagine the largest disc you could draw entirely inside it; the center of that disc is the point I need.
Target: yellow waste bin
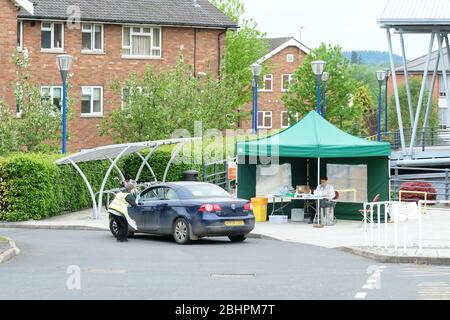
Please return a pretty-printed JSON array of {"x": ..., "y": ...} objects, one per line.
[{"x": 260, "y": 209}]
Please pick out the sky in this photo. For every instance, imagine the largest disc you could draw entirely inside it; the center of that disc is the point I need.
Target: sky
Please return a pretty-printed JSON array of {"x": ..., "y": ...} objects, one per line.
[{"x": 352, "y": 24}]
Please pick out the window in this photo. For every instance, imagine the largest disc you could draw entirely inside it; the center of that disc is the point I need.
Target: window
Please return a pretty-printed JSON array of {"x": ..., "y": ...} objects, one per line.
[
  {"x": 19, "y": 35},
  {"x": 265, "y": 119},
  {"x": 92, "y": 38},
  {"x": 207, "y": 191},
  {"x": 53, "y": 94},
  {"x": 290, "y": 58},
  {"x": 286, "y": 80},
  {"x": 157, "y": 194},
  {"x": 270, "y": 178},
  {"x": 92, "y": 101},
  {"x": 285, "y": 119},
  {"x": 267, "y": 84},
  {"x": 349, "y": 180},
  {"x": 142, "y": 42},
  {"x": 52, "y": 36}
]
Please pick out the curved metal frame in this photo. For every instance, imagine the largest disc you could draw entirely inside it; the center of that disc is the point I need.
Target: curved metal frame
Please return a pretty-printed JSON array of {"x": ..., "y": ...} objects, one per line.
[
  {"x": 172, "y": 158},
  {"x": 102, "y": 189},
  {"x": 91, "y": 191},
  {"x": 117, "y": 168},
  {"x": 145, "y": 163},
  {"x": 97, "y": 205}
]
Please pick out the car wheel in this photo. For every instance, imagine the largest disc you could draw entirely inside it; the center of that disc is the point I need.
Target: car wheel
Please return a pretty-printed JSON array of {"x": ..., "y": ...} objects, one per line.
[
  {"x": 181, "y": 231},
  {"x": 237, "y": 238},
  {"x": 113, "y": 228}
]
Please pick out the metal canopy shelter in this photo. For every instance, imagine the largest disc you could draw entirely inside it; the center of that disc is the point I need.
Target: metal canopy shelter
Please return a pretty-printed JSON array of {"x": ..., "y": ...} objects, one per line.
[
  {"x": 113, "y": 154},
  {"x": 418, "y": 17}
]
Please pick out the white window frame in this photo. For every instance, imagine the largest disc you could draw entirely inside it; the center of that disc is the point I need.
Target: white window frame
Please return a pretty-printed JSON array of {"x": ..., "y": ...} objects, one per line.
[
  {"x": 265, "y": 114},
  {"x": 52, "y": 94},
  {"x": 52, "y": 35},
  {"x": 289, "y": 119},
  {"x": 20, "y": 34},
  {"x": 91, "y": 113},
  {"x": 290, "y": 58},
  {"x": 92, "y": 32},
  {"x": 141, "y": 33},
  {"x": 267, "y": 77},
  {"x": 283, "y": 89}
]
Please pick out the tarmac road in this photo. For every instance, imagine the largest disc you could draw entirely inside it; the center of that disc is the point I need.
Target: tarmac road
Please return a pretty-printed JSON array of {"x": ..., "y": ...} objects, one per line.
[{"x": 149, "y": 267}]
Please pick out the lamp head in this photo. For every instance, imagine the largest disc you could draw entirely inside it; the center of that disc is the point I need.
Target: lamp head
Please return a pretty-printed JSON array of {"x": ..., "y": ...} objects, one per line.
[
  {"x": 381, "y": 75},
  {"x": 64, "y": 61},
  {"x": 256, "y": 69},
  {"x": 318, "y": 67}
]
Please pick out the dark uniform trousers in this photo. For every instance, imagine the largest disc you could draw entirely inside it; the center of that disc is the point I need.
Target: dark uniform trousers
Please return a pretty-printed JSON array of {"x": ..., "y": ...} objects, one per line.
[{"x": 122, "y": 226}]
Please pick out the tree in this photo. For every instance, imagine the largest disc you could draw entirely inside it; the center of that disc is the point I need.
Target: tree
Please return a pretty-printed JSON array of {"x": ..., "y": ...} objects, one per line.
[
  {"x": 364, "y": 110},
  {"x": 159, "y": 103},
  {"x": 243, "y": 48},
  {"x": 415, "y": 85},
  {"x": 38, "y": 129},
  {"x": 355, "y": 58},
  {"x": 8, "y": 131},
  {"x": 302, "y": 94}
]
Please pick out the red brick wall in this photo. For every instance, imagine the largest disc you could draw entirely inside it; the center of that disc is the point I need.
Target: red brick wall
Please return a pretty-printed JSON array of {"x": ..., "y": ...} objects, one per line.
[
  {"x": 401, "y": 81},
  {"x": 98, "y": 69},
  {"x": 271, "y": 101},
  {"x": 8, "y": 40}
]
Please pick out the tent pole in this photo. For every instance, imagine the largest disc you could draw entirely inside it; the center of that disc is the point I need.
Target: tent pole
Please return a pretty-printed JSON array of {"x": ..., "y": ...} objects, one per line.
[{"x": 318, "y": 183}]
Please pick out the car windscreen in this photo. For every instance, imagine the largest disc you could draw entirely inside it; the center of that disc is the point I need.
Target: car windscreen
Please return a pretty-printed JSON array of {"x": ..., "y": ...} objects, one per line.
[{"x": 207, "y": 191}]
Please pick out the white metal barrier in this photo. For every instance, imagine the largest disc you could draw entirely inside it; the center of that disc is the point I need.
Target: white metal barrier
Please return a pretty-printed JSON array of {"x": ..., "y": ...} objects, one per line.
[{"x": 399, "y": 212}]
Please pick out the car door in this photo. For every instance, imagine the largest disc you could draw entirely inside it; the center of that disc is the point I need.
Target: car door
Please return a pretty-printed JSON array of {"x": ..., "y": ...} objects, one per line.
[
  {"x": 149, "y": 204},
  {"x": 168, "y": 209}
]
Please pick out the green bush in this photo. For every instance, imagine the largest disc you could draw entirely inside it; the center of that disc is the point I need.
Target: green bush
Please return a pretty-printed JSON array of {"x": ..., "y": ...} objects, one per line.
[{"x": 32, "y": 186}]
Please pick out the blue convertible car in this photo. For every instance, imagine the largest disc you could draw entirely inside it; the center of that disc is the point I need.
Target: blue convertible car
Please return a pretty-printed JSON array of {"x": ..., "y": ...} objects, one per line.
[{"x": 189, "y": 211}]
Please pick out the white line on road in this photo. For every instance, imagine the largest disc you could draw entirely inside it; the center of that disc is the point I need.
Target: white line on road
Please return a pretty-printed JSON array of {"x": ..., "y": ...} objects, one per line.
[
  {"x": 373, "y": 282},
  {"x": 361, "y": 295}
]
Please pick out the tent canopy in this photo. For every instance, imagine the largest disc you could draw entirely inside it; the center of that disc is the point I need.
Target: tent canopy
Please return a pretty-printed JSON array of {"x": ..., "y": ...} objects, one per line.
[{"x": 313, "y": 137}]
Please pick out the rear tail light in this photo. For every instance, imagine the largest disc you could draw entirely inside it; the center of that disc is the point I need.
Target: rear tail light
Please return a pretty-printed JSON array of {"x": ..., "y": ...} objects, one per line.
[
  {"x": 248, "y": 207},
  {"x": 210, "y": 208}
]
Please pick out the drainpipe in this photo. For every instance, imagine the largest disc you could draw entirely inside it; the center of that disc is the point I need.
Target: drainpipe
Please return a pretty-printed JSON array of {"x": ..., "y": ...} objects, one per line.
[
  {"x": 195, "y": 52},
  {"x": 219, "y": 51}
]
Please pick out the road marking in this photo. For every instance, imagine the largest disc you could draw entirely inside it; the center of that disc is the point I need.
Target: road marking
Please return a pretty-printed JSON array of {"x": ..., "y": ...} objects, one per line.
[
  {"x": 434, "y": 291},
  {"x": 361, "y": 295},
  {"x": 415, "y": 272},
  {"x": 373, "y": 282}
]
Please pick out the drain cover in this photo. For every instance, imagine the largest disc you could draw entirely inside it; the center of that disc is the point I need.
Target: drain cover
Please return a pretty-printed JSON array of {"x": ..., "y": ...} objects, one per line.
[{"x": 232, "y": 275}]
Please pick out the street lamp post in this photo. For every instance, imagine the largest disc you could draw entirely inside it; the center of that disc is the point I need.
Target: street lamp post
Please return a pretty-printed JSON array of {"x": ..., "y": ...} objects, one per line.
[
  {"x": 256, "y": 71},
  {"x": 381, "y": 76},
  {"x": 318, "y": 67},
  {"x": 64, "y": 62},
  {"x": 386, "y": 104},
  {"x": 325, "y": 77}
]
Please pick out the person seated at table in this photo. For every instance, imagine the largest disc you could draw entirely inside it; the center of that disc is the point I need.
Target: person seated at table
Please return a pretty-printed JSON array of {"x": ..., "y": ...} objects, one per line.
[{"x": 323, "y": 190}]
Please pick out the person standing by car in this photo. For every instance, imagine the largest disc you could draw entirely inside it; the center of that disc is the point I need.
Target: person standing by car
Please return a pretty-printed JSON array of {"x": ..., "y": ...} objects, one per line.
[{"x": 119, "y": 211}]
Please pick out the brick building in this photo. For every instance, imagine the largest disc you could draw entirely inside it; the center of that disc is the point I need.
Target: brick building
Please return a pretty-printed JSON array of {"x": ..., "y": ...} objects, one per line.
[
  {"x": 284, "y": 57},
  {"x": 416, "y": 70},
  {"x": 107, "y": 40}
]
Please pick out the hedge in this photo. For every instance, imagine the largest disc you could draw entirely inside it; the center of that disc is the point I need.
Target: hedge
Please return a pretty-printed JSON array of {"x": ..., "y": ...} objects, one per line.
[{"x": 33, "y": 187}]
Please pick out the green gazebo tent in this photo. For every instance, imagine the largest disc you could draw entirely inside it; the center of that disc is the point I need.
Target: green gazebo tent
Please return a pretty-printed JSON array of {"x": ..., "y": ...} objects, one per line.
[{"x": 309, "y": 146}]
